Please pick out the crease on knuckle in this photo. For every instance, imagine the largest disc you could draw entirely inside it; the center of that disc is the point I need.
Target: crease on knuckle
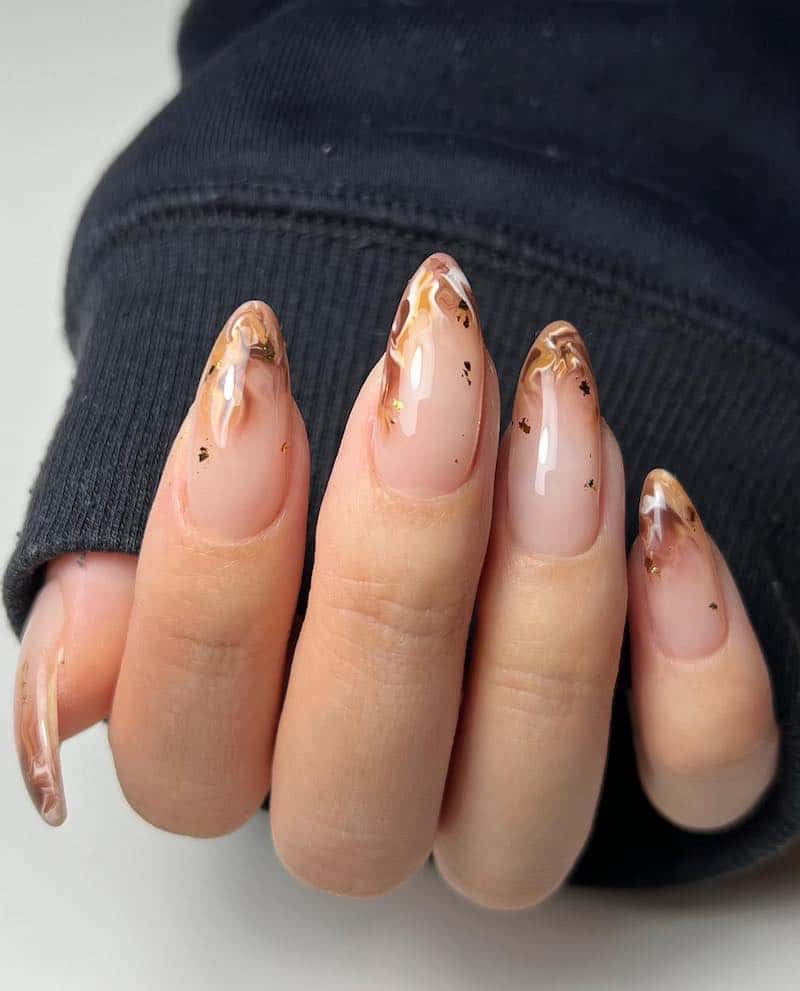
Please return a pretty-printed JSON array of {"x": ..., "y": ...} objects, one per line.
[
  {"x": 208, "y": 653},
  {"x": 374, "y": 626},
  {"x": 556, "y": 690}
]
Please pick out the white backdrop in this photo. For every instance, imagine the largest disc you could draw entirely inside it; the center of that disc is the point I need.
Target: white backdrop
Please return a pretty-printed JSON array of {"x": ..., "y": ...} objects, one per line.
[{"x": 108, "y": 902}]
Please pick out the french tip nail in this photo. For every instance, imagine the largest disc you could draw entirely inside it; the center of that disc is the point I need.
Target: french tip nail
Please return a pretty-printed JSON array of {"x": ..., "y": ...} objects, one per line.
[
  {"x": 36, "y": 705},
  {"x": 555, "y": 470}
]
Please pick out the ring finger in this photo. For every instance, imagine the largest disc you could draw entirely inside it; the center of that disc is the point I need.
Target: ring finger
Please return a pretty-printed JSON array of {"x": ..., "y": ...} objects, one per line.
[{"x": 530, "y": 753}]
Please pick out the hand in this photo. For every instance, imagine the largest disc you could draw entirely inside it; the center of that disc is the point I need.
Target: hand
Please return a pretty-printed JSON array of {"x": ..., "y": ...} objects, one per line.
[{"x": 376, "y": 755}]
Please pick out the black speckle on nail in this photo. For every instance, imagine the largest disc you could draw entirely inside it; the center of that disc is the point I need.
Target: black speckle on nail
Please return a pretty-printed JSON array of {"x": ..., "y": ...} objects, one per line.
[
  {"x": 713, "y": 605},
  {"x": 584, "y": 387},
  {"x": 202, "y": 454},
  {"x": 524, "y": 426}
]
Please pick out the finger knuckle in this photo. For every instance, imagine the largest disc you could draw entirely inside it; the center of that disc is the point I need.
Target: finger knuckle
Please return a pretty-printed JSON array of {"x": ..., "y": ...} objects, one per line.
[
  {"x": 557, "y": 688},
  {"x": 388, "y": 629}
]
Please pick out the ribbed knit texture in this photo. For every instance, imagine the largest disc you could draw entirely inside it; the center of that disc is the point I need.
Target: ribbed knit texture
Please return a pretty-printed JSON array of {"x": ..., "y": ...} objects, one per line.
[{"x": 318, "y": 152}]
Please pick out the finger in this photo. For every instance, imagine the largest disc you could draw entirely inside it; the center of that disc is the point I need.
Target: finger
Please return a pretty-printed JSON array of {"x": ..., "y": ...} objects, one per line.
[
  {"x": 529, "y": 756},
  {"x": 707, "y": 740},
  {"x": 197, "y": 697},
  {"x": 365, "y": 735},
  {"x": 68, "y": 665}
]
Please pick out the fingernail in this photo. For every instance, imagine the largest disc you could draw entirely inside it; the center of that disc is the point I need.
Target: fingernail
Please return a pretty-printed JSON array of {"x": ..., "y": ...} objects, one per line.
[
  {"x": 429, "y": 414},
  {"x": 684, "y": 596},
  {"x": 36, "y": 704},
  {"x": 239, "y": 445},
  {"x": 554, "y": 469}
]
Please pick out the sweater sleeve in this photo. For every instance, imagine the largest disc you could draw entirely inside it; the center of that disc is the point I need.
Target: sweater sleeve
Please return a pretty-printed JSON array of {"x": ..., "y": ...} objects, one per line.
[{"x": 632, "y": 168}]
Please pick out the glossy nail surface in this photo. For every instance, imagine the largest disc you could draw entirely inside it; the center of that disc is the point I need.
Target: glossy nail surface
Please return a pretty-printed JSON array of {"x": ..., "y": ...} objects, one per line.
[
  {"x": 239, "y": 447},
  {"x": 36, "y": 705},
  {"x": 684, "y": 595},
  {"x": 554, "y": 469},
  {"x": 428, "y": 422}
]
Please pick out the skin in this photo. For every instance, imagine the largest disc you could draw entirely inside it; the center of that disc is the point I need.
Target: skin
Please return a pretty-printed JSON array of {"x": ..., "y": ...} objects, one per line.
[{"x": 378, "y": 754}]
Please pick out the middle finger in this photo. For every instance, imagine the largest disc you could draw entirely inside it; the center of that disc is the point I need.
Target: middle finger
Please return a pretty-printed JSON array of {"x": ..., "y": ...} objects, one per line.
[{"x": 367, "y": 726}]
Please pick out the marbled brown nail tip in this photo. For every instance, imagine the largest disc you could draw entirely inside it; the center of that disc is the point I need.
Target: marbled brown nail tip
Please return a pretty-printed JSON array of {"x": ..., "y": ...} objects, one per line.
[
  {"x": 667, "y": 517},
  {"x": 252, "y": 332},
  {"x": 439, "y": 291},
  {"x": 431, "y": 393},
  {"x": 560, "y": 350}
]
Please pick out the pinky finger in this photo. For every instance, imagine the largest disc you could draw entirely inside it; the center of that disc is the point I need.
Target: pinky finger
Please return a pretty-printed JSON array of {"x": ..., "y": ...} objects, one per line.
[
  {"x": 706, "y": 735},
  {"x": 68, "y": 665}
]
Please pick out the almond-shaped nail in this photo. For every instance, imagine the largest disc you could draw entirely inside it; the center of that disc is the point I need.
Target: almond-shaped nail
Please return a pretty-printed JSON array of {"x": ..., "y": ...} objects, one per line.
[
  {"x": 683, "y": 591},
  {"x": 239, "y": 453},
  {"x": 429, "y": 414},
  {"x": 554, "y": 458},
  {"x": 36, "y": 705}
]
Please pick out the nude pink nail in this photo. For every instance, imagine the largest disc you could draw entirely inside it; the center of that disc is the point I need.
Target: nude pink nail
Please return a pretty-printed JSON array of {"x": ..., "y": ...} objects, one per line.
[
  {"x": 36, "y": 705},
  {"x": 554, "y": 469},
  {"x": 683, "y": 592},
  {"x": 239, "y": 446},
  {"x": 429, "y": 414}
]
